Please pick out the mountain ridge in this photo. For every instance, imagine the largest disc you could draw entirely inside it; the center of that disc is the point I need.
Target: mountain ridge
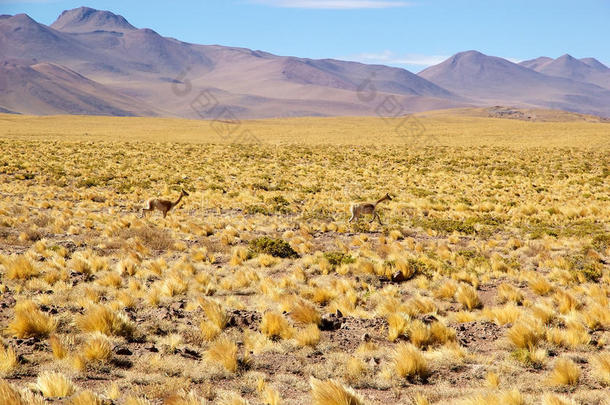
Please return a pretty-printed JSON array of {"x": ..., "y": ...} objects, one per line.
[{"x": 140, "y": 65}]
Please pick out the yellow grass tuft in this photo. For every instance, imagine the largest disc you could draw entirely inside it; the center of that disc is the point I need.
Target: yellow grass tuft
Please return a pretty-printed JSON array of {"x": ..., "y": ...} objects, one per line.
[
  {"x": 601, "y": 367},
  {"x": 97, "y": 348},
  {"x": 30, "y": 321},
  {"x": 21, "y": 268},
  {"x": 468, "y": 297},
  {"x": 354, "y": 369},
  {"x": 100, "y": 318},
  {"x": 58, "y": 349},
  {"x": 132, "y": 400},
  {"x": 508, "y": 293},
  {"x": 552, "y": 399},
  {"x": 274, "y": 325},
  {"x": 420, "y": 399},
  {"x": 540, "y": 285},
  {"x": 397, "y": 326},
  {"x": 493, "y": 381},
  {"x": 309, "y": 336},
  {"x": 214, "y": 312},
  {"x": 233, "y": 399},
  {"x": 85, "y": 398},
  {"x": 525, "y": 334},
  {"x": 304, "y": 312},
  {"x": 408, "y": 362},
  {"x": 331, "y": 392},
  {"x": 446, "y": 290},
  {"x": 8, "y": 360},
  {"x": 270, "y": 396},
  {"x": 54, "y": 385},
  {"x": 10, "y": 395},
  {"x": 565, "y": 372},
  {"x": 223, "y": 352},
  {"x": 512, "y": 397}
]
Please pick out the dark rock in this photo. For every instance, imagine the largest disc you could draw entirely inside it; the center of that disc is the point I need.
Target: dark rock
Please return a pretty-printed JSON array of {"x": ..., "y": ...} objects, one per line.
[
  {"x": 330, "y": 322},
  {"x": 152, "y": 348},
  {"x": 429, "y": 319},
  {"x": 398, "y": 277},
  {"x": 123, "y": 351}
]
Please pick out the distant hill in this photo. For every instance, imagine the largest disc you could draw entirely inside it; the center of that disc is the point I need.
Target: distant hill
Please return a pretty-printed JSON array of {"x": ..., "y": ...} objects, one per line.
[
  {"x": 47, "y": 88},
  {"x": 495, "y": 80},
  {"x": 588, "y": 70},
  {"x": 95, "y": 62}
]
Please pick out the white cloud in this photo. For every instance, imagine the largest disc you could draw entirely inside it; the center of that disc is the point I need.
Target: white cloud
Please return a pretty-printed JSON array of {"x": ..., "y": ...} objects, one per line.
[
  {"x": 391, "y": 58},
  {"x": 333, "y": 4}
]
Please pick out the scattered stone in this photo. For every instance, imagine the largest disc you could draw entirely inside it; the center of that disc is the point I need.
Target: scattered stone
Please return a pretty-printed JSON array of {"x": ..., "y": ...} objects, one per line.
[
  {"x": 428, "y": 319},
  {"x": 330, "y": 322},
  {"x": 398, "y": 277},
  {"x": 123, "y": 351},
  {"x": 152, "y": 348}
]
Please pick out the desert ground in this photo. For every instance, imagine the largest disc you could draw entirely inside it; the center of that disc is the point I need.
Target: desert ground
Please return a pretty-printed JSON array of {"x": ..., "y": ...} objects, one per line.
[{"x": 487, "y": 280}]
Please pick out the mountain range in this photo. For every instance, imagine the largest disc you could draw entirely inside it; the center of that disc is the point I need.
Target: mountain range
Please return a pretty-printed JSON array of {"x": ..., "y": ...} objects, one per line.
[{"x": 95, "y": 62}]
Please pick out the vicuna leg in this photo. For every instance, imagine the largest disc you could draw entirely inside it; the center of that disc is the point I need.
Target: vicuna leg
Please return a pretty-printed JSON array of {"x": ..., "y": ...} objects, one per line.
[{"x": 353, "y": 215}]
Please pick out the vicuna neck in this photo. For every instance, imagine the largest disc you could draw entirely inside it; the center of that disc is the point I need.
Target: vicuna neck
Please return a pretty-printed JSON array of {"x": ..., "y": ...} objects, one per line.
[
  {"x": 178, "y": 200},
  {"x": 382, "y": 199}
]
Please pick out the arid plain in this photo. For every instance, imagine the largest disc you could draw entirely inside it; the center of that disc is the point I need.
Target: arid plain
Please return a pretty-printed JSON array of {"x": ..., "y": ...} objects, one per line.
[{"x": 486, "y": 282}]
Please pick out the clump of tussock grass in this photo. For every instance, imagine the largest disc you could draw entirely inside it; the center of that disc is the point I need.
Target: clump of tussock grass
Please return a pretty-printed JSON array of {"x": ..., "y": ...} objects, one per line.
[
  {"x": 304, "y": 312},
  {"x": 565, "y": 372},
  {"x": 8, "y": 360},
  {"x": 30, "y": 321},
  {"x": 57, "y": 347},
  {"x": 525, "y": 334},
  {"x": 101, "y": 318},
  {"x": 86, "y": 397},
  {"x": 216, "y": 321},
  {"x": 408, "y": 362},
  {"x": 54, "y": 385},
  {"x": 331, "y": 392},
  {"x": 308, "y": 336},
  {"x": 21, "y": 267},
  {"x": 601, "y": 367},
  {"x": 512, "y": 397},
  {"x": 224, "y": 352},
  {"x": 10, "y": 395},
  {"x": 275, "y": 326},
  {"x": 468, "y": 297},
  {"x": 97, "y": 348}
]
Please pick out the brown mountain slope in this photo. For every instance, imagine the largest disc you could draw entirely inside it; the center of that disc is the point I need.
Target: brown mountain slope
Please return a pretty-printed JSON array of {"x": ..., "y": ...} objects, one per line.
[
  {"x": 142, "y": 64},
  {"x": 48, "y": 88},
  {"x": 173, "y": 77}
]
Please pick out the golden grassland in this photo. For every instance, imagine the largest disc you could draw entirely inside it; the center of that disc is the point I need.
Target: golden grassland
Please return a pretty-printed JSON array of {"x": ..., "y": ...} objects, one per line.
[
  {"x": 444, "y": 128},
  {"x": 487, "y": 283}
]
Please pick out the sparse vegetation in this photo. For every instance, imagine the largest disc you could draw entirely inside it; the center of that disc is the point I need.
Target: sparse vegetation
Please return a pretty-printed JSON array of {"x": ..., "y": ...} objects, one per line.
[{"x": 487, "y": 283}]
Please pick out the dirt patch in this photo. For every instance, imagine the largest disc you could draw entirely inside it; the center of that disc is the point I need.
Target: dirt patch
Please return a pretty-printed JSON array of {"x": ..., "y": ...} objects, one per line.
[{"x": 478, "y": 336}]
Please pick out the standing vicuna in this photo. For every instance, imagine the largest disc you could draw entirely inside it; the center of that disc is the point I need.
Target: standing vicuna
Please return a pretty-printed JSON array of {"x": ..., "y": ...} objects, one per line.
[
  {"x": 162, "y": 205},
  {"x": 357, "y": 210}
]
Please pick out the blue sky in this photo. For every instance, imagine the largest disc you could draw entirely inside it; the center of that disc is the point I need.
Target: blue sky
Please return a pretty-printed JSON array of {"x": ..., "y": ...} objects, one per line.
[{"x": 410, "y": 34}]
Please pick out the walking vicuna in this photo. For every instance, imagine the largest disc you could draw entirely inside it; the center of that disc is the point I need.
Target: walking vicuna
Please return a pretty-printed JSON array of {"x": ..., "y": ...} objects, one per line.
[
  {"x": 162, "y": 205},
  {"x": 357, "y": 210}
]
